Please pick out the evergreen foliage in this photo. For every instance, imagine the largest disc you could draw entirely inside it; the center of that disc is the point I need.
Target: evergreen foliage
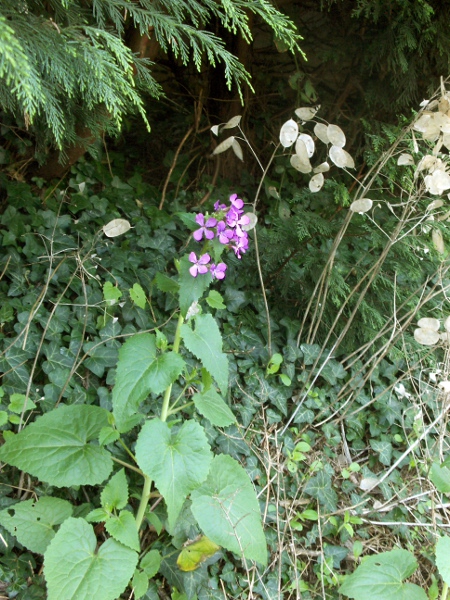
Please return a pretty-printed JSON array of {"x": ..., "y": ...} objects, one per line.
[{"x": 65, "y": 65}]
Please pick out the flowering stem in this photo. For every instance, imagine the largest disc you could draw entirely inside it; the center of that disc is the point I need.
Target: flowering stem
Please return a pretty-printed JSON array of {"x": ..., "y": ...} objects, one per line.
[
  {"x": 266, "y": 304},
  {"x": 175, "y": 348},
  {"x": 258, "y": 260},
  {"x": 145, "y": 496},
  {"x": 444, "y": 594}
]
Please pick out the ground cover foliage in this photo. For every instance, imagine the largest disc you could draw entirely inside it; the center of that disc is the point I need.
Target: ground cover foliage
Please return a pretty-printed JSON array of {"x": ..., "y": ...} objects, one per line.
[{"x": 339, "y": 390}]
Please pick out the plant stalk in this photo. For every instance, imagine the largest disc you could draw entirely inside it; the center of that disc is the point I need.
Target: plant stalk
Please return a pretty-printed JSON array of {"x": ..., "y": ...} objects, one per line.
[
  {"x": 175, "y": 348},
  {"x": 145, "y": 497},
  {"x": 444, "y": 594}
]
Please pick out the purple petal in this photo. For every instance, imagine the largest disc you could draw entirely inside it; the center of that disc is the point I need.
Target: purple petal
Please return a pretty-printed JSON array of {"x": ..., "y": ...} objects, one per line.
[
  {"x": 244, "y": 220},
  {"x": 236, "y": 202},
  {"x": 198, "y": 234},
  {"x": 200, "y": 219},
  {"x": 193, "y": 270},
  {"x": 192, "y": 257},
  {"x": 203, "y": 260},
  {"x": 218, "y": 271},
  {"x": 211, "y": 222}
]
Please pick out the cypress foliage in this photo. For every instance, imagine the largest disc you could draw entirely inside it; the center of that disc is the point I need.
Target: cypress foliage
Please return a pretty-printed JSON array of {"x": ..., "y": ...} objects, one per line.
[{"x": 65, "y": 63}]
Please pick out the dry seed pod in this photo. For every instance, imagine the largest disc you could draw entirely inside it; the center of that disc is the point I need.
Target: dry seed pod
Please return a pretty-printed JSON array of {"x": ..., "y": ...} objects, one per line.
[
  {"x": 116, "y": 227},
  {"x": 426, "y": 337},
  {"x": 362, "y": 205}
]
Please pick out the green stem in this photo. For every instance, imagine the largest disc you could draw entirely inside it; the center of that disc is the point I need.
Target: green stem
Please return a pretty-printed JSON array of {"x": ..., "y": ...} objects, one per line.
[
  {"x": 127, "y": 465},
  {"x": 145, "y": 497},
  {"x": 172, "y": 410},
  {"x": 175, "y": 348},
  {"x": 180, "y": 395},
  {"x": 127, "y": 450},
  {"x": 444, "y": 594}
]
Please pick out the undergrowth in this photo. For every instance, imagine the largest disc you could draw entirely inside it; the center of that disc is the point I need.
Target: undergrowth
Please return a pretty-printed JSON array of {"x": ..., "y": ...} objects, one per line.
[{"x": 339, "y": 385}]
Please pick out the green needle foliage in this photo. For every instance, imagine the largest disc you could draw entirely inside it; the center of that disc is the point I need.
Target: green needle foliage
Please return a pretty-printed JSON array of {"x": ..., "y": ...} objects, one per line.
[{"x": 66, "y": 64}]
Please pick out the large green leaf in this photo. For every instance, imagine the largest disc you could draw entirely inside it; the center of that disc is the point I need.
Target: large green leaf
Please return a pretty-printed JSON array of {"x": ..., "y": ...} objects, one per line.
[
  {"x": 32, "y": 522},
  {"x": 210, "y": 405},
  {"x": 205, "y": 342},
  {"x": 57, "y": 447},
  {"x": 443, "y": 558},
  {"x": 381, "y": 576},
  {"x": 440, "y": 476},
  {"x": 227, "y": 510},
  {"x": 76, "y": 570},
  {"x": 178, "y": 460},
  {"x": 141, "y": 370}
]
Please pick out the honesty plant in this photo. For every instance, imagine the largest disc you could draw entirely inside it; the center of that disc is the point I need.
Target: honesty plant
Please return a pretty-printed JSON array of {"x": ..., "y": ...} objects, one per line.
[
  {"x": 79, "y": 445},
  {"x": 229, "y": 226}
]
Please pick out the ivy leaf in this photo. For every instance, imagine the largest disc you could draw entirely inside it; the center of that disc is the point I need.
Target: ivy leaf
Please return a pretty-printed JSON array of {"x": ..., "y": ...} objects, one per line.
[
  {"x": 100, "y": 357},
  {"x": 123, "y": 529},
  {"x": 115, "y": 492},
  {"x": 111, "y": 293},
  {"x": 205, "y": 342},
  {"x": 141, "y": 370},
  {"x": 178, "y": 460},
  {"x": 32, "y": 522},
  {"x": 383, "y": 449},
  {"x": 320, "y": 487},
  {"x": 380, "y": 577},
  {"x": 56, "y": 448},
  {"x": 74, "y": 569},
  {"x": 210, "y": 405},
  {"x": 333, "y": 371},
  {"x": 19, "y": 403},
  {"x": 227, "y": 510}
]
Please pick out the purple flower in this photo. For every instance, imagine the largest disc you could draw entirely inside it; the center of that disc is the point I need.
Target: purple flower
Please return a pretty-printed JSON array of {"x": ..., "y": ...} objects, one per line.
[
  {"x": 223, "y": 233},
  {"x": 218, "y": 271},
  {"x": 236, "y": 202},
  {"x": 219, "y": 207},
  {"x": 233, "y": 216},
  {"x": 199, "y": 266},
  {"x": 204, "y": 231},
  {"x": 241, "y": 242}
]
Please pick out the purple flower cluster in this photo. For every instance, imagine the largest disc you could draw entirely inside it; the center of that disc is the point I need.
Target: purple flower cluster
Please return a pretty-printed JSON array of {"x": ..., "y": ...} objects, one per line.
[{"x": 226, "y": 225}]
